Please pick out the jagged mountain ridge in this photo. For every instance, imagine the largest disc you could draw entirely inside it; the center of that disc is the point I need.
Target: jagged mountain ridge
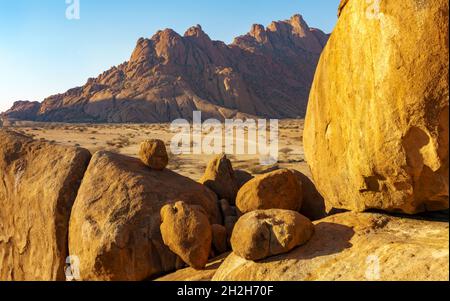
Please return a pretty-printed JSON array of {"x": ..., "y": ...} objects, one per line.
[{"x": 267, "y": 72}]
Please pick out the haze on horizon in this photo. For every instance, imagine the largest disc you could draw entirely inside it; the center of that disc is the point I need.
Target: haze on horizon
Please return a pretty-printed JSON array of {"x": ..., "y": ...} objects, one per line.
[{"x": 43, "y": 53}]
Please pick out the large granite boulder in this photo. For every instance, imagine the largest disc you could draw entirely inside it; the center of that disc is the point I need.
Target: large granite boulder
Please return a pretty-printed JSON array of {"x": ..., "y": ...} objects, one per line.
[
  {"x": 376, "y": 131},
  {"x": 115, "y": 222},
  {"x": 355, "y": 247},
  {"x": 38, "y": 185}
]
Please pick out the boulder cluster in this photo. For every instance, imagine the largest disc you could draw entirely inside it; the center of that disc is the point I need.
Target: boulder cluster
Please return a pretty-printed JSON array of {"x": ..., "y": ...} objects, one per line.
[
  {"x": 376, "y": 138},
  {"x": 260, "y": 217},
  {"x": 133, "y": 219}
]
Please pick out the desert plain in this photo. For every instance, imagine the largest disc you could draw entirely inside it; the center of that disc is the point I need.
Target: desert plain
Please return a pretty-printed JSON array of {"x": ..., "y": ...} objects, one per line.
[{"x": 126, "y": 138}]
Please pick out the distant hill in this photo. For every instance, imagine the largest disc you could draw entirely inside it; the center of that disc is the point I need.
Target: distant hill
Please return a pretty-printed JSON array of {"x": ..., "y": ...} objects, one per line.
[{"x": 267, "y": 72}]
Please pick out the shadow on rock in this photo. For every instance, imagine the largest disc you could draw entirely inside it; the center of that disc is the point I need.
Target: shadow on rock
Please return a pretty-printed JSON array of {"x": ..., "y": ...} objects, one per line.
[{"x": 329, "y": 239}]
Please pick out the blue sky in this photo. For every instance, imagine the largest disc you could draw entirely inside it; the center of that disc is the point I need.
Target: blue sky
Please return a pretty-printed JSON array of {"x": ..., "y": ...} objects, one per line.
[{"x": 42, "y": 53}]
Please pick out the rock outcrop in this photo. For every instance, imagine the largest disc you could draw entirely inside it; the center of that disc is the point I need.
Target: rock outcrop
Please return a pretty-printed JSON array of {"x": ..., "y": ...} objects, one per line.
[
  {"x": 376, "y": 131},
  {"x": 264, "y": 233},
  {"x": 355, "y": 247},
  {"x": 186, "y": 230},
  {"x": 169, "y": 76},
  {"x": 38, "y": 185},
  {"x": 219, "y": 177},
  {"x": 153, "y": 153},
  {"x": 276, "y": 190},
  {"x": 23, "y": 110},
  {"x": 115, "y": 221}
]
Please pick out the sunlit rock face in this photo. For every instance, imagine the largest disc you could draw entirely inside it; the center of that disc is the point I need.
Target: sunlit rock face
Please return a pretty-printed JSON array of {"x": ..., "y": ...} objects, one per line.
[{"x": 376, "y": 132}]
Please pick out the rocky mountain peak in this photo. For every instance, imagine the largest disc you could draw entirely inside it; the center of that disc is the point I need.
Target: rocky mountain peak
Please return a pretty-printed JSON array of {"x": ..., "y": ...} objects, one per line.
[
  {"x": 258, "y": 32},
  {"x": 295, "y": 25},
  {"x": 23, "y": 109},
  {"x": 169, "y": 76},
  {"x": 167, "y": 44},
  {"x": 199, "y": 37},
  {"x": 195, "y": 31},
  {"x": 299, "y": 25},
  {"x": 288, "y": 36},
  {"x": 141, "y": 51}
]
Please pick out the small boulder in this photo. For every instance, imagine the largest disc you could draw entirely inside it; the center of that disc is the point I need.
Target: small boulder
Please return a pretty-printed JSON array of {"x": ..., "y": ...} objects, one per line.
[
  {"x": 219, "y": 234},
  {"x": 219, "y": 177},
  {"x": 276, "y": 190},
  {"x": 153, "y": 153},
  {"x": 264, "y": 233},
  {"x": 185, "y": 229}
]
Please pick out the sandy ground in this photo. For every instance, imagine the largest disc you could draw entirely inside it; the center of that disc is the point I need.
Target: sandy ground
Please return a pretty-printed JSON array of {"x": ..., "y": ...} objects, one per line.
[{"x": 125, "y": 139}]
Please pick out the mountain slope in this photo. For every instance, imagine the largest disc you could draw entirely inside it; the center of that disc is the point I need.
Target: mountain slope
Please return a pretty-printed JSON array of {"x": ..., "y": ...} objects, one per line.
[{"x": 267, "y": 72}]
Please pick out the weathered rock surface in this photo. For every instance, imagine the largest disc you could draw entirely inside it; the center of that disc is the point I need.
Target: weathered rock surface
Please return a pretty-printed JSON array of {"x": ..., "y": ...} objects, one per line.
[
  {"x": 185, "y": 229},
  {"x": 219, "y": 177},
  {"x": 38, "y": 185},
  {"x": 264, "y": 233},
  {"x": 355, "y": 246},
  {"x": 376, "y": 132},
  {"x": 153, "y": 153},
  {"x": 115, "y": 225},
  {"x": 276, "y": 190},
  {"x": 169, "y": 76}
]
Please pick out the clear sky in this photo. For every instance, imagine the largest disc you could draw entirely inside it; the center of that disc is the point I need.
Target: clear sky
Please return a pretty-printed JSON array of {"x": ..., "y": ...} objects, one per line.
[{"x": 43, "y": 53}]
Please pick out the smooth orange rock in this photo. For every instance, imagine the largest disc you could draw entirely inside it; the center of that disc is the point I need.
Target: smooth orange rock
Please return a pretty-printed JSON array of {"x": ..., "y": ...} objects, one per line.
[
  {"x": 276, "y": 190},
  {"x": 153, "y": 153},
  {"x": 376, "y": 131}
]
